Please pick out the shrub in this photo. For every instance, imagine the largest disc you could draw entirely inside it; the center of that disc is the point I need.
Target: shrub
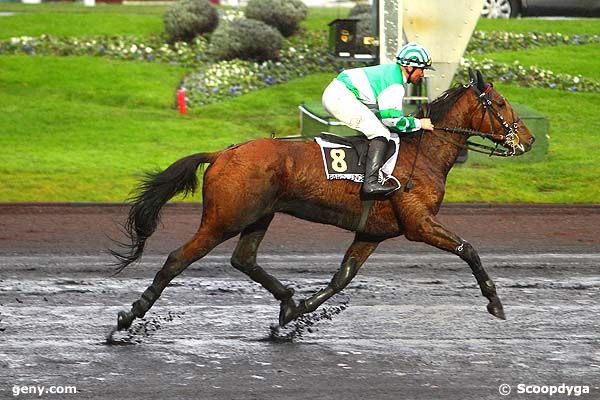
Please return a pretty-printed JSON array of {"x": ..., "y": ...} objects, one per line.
[
  {"x": 246, "y": 39},
  {"x": 187, "y": 19},
  {"x": 285, "y": 15},
  {"x": 360, "y": 9}
]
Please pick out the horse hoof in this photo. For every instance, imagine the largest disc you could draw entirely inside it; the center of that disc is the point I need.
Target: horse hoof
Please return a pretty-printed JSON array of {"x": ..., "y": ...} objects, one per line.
[
  {"x": 124, "y": 320},
  {"x": 287, "y": 312},
  {"x": 495, "y": 308}
]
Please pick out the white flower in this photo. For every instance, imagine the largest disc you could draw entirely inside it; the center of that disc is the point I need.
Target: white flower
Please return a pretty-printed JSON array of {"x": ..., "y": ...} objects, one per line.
[{"x": 576, "y": 79}]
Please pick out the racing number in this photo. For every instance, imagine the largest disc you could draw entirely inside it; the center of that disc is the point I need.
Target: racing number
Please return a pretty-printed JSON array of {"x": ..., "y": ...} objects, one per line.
[{"x": 338, "y": 162}]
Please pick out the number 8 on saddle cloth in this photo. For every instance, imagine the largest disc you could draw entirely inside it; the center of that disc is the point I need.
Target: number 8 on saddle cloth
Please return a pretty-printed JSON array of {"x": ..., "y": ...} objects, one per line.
[{"x": 344, "y": 157}]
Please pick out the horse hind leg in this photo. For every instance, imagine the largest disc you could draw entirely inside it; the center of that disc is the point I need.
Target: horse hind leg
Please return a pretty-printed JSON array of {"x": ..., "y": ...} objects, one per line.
[
  {"x": 356, "y": 255},
  {"x": 201, "y": 244},
  {"x": 244, "y": 260}
]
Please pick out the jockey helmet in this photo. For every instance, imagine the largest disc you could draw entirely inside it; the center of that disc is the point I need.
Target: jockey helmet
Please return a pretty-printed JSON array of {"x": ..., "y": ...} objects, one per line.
[{"x": 414, "y": 55}]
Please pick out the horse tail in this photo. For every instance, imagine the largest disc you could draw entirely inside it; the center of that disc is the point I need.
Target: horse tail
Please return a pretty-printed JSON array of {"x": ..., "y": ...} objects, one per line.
[{"x": 152, "y": 193}]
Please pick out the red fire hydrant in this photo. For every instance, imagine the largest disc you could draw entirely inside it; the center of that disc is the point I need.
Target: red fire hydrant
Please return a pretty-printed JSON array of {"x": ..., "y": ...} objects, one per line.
[{"x": 181, "y": 101}]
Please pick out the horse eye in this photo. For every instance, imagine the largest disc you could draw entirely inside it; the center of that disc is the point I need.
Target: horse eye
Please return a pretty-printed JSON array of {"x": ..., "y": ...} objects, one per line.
[{"x": 502, "y": 103}]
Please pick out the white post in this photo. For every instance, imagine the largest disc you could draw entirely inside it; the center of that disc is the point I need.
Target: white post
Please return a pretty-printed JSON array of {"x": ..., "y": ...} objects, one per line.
[
  {"x": 444, "y": 27},
  {"x": 390, "y": 29},
  {"x": 89, "y": 3}
]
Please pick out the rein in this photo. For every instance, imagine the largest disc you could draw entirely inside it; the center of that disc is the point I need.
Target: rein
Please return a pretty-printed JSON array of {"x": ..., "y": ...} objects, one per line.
[
  {"x": 472, "y": 146},
  {"x": 510, "y": 138}
]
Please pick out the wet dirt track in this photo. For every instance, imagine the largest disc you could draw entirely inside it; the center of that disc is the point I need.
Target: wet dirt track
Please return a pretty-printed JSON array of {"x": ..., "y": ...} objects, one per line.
[{"x": 414, "y": 326}]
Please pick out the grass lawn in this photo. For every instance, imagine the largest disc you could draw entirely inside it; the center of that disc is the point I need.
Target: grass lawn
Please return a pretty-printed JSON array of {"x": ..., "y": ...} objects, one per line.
[
  {"x": 79, "y": 8},
  {"x": 75, "y": 19},
  {"x": 64, "y": 19},
  {"x": 36, "y": 24},
  {"x": 570, "y": 172},
  {"x": 522, "y": 25},
  {"x": 319, "y": 17},
  {"x": 87, "y": 138},
  {"x": 573, "y": 60}
]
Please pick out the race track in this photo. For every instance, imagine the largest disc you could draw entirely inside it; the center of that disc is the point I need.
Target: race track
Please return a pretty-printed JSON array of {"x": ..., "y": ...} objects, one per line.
[{"x": 412, "y": 324}]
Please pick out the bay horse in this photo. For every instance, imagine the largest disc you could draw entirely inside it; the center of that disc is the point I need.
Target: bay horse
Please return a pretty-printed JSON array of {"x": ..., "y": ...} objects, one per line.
[{"x": 245, "y": 185}]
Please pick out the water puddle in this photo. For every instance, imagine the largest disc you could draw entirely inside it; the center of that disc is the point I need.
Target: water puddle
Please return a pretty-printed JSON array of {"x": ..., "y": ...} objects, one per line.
[
  {"x": 304, "y": 324},
  {"x": 140, "y": 329}
]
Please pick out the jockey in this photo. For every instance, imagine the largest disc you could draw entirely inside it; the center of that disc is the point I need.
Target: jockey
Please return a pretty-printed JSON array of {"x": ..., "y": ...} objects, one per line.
[{"x": 369, "y": 100}]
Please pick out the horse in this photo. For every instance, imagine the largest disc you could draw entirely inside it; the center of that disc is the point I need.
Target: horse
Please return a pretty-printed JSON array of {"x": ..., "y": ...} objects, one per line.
[{"x": 245, "y": 185}]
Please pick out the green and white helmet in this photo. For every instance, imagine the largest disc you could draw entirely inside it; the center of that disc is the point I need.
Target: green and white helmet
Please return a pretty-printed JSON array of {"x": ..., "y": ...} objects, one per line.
[{"x": 414, "y": 55}]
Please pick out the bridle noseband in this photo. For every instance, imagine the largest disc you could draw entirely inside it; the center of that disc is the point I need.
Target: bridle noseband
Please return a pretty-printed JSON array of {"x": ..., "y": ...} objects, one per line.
[{"x": 510, "y": 139}]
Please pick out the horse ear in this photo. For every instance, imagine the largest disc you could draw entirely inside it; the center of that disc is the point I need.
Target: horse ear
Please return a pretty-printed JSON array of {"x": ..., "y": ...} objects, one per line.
[
  {"x": 472, "y": 76},
  {"x": 480, "y": 82}
]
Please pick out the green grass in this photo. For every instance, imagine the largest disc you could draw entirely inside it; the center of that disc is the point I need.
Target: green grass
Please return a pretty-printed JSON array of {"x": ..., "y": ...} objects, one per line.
[
  {"x": 63, "y": 19},
  {"x": 319, "y": 17},
  {"x": 572, "y": 60},
  {"x": 89, "y": 136},
  {"x": 79, "y": 8},
  {"x": 523, "y": 25},
  {"x": 570, "y": 172},
  {"x": 73, "y": 24}
]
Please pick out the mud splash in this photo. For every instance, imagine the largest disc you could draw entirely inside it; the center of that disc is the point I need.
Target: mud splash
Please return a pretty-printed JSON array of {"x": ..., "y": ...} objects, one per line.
[
  {"x": 306, "y": 323},
  {"x": 141, "y": 329}
]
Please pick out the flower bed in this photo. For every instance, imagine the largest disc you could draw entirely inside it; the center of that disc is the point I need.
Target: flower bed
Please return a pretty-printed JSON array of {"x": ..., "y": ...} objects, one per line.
[
  {"x": 299, "y": 57},
  {"x": 528, "y": 76},
  {"x": 153, "y": 49},
  {"x": 488, "y": 42},
  {"x": 211, "y": 81}
]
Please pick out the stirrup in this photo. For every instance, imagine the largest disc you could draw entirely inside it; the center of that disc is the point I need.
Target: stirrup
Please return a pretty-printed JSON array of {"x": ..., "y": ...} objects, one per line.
[
  {"x": 377, "y": 195},
  {"x": 398, "y": 185},
  {"x": 382, "y": 192}
]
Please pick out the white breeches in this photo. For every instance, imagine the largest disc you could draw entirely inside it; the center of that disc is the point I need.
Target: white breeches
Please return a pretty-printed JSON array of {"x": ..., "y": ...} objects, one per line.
[{"x": 340, "y": 102}]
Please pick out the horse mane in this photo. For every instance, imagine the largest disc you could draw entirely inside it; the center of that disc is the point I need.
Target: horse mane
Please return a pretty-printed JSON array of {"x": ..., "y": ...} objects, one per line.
[
  {"x": 435, "y": 110},
  {"x": 438, "y": 108}
]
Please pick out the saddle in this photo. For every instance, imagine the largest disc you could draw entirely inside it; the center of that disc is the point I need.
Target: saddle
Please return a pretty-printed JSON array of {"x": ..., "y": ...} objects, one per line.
[{"x": 344, "y": 156}]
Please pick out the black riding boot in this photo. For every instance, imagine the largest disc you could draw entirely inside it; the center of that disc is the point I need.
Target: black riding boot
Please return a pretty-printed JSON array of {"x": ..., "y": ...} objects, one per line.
[{"x": 371, "y": 188}]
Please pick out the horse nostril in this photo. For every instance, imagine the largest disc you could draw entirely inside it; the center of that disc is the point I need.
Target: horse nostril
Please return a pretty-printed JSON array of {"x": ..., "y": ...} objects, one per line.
[{"x": 531, "y": 141}]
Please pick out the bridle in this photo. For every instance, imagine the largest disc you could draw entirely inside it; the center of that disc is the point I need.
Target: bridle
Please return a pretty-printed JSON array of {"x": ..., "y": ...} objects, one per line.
[{"x": 509, "y": 139}]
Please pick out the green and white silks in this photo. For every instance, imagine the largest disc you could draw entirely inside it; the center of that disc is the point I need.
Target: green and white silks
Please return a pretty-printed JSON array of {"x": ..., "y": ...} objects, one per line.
[{"x": 366, "y": 98}]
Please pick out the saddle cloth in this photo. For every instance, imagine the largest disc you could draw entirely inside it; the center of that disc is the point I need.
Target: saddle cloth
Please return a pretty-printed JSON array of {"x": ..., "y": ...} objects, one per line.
[{"x": 344, "y": 157}]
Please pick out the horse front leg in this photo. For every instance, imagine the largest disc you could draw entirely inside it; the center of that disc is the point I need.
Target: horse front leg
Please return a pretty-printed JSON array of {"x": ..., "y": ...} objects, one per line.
[
  {"x": 430, "y": 231},
  {"x": 356, "y": 255}
]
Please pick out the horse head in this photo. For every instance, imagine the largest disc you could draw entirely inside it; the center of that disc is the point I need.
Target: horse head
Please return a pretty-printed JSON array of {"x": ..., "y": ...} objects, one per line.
[{"x": 493, "y": 117}]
